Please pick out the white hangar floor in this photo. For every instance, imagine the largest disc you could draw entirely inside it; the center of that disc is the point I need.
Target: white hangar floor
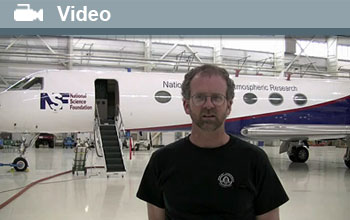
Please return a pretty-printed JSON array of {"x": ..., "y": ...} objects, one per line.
[{"x": 318, "y": 189}]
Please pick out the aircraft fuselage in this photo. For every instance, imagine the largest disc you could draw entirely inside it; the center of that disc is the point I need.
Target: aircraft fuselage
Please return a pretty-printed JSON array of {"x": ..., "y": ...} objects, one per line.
[{"x": 65, "y": 101}]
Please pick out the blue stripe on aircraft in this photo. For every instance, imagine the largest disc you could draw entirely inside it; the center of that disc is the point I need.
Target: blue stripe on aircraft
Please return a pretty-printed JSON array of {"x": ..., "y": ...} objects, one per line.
[{"x": 336, "y": 112}]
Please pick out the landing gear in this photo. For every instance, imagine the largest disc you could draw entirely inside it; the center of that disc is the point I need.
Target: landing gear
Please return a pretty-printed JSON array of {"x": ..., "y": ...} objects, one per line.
[
  {"x": 299, "y": 153},
  {"x": 20, "y": 164},
  {"x": 297, "y": 150}
]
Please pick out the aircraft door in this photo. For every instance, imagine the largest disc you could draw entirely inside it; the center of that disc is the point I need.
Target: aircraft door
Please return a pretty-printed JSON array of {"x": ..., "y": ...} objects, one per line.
[
  {"x": 101, "y": 98},
  {"x": 107, "y": 98}
]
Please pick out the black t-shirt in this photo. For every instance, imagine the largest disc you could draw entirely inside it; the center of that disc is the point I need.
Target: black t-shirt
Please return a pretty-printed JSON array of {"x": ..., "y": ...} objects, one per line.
[{"x": 233, "y": 181}]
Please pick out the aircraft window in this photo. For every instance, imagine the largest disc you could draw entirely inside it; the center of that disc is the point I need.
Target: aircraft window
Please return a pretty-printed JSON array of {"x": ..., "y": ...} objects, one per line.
[
  {"x": 162, "y": 96},
  {"x": 34, "y": 84},
  {"x": 19, "y": 84},
  {"x": 300, "y": 99},
  {"x": 250, "y": 98},
  {"x": 28, "y": 83},
  {"x": 276, "y": 99}
]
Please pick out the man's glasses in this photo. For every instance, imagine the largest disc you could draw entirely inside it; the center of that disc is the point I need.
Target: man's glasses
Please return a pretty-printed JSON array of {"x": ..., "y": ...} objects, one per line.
[{"x": 200, "y": 99}]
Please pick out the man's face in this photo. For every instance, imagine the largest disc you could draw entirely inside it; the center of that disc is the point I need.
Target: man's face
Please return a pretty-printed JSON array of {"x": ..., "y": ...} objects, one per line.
[{"x": 208, "y": 116}]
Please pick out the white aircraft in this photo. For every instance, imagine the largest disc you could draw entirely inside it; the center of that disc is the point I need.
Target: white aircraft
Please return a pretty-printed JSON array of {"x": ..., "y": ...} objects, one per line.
[{"x": 293, "y": 110}]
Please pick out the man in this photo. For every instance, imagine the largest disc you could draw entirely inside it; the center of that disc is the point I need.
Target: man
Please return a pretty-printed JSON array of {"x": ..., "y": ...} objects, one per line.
[{"x": 210, "y": 174}]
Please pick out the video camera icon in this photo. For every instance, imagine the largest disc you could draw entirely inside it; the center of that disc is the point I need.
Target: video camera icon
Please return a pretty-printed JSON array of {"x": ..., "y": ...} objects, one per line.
[{"x": 25, "y": 13}]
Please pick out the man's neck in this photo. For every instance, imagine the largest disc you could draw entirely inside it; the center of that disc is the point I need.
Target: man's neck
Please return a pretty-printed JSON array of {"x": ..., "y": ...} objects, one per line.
[{"x": 210, "y": 139}]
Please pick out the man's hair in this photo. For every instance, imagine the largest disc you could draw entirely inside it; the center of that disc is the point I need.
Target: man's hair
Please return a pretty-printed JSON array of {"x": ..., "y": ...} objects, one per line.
[{"x": 207, "y": 70}]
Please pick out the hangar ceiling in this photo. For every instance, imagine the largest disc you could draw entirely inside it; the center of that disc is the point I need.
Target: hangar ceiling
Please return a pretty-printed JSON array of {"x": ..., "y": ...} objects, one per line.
[{"x": 21, "y": 55}]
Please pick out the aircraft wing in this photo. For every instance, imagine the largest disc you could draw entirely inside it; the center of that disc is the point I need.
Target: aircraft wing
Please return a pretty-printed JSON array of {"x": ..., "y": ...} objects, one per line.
[{"x": 295, "y": 131}]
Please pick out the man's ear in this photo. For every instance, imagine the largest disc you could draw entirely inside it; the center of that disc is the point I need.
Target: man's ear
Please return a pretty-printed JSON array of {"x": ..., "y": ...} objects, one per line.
[
  {"x": 229, "y": 107},
  {"x": 186, "y": 105}
]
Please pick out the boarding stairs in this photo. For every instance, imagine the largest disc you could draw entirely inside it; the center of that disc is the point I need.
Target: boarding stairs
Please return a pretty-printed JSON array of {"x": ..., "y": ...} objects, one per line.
[{"x": 109, "y": 145}]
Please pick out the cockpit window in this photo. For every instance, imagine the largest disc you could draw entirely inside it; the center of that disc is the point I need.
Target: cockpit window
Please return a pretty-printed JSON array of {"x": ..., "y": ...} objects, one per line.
[
  {"x": 34, "y": 84},
  {"x": 19, "y": 84},
  {"x": 28, "y": 83}
]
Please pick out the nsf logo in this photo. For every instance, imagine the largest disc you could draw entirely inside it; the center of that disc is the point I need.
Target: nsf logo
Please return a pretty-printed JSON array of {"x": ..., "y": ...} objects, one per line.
[
  {"x": 23, "y": 12},
  {"x": 54, "y": 101}
]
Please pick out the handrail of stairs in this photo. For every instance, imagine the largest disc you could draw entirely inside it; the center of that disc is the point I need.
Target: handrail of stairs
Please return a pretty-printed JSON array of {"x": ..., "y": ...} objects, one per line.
[
  {"x": 119, "y": 125},
  {"x": 97, "y": 134}
]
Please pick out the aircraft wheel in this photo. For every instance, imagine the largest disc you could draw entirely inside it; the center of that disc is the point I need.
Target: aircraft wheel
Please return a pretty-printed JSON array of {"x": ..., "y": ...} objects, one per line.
[
  {"x": 21, "y": 163},
  {"x": 293, "y": 158},
  {"x": 347, "y": 163},
  {"x": 302, "y": 154},
  {"x": 292, "y": 155}
]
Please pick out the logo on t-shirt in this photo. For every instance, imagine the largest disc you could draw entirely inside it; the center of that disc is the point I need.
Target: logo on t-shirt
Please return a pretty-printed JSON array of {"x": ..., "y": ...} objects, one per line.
[{"x": 225, "y": 180}]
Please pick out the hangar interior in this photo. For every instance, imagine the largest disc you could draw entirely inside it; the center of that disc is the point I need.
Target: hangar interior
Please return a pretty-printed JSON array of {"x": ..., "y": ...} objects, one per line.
[
  {"x": 319, "y": 57},
  {"x": 21, "y": 55},
  {"x": 322, "y": 182}
]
